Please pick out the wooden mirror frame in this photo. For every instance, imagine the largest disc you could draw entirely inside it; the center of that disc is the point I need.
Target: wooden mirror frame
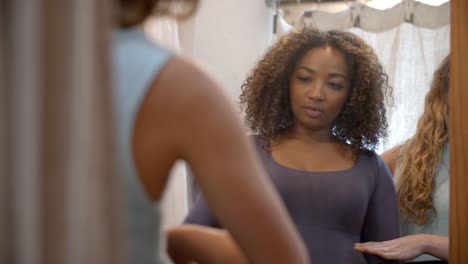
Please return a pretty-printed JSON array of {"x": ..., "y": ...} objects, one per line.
[{"x": 458, "y": 123}]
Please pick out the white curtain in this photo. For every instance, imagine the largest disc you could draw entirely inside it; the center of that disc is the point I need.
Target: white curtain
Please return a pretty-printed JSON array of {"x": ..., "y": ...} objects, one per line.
[
  {"x": 410, "y": 38},
  {"x": 59, "y": 198},
  {"x": 164, "y": 30}
]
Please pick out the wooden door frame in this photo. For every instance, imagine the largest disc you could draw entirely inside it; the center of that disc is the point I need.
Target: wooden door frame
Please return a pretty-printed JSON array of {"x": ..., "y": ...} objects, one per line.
[{"x": 458, "y": 124}]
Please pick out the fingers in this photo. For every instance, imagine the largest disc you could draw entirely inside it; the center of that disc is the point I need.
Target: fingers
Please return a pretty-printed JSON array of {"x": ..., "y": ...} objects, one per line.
[
  {"x": 366, "y": 247},
  {"x": 380, "y": 249},
  {"x": 390, "y": 250}
]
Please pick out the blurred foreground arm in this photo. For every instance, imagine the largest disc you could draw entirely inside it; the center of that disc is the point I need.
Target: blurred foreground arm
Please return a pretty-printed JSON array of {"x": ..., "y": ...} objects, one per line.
[
  {"x": 192, "y": 243},
  {"x": 197, "y": 123}
]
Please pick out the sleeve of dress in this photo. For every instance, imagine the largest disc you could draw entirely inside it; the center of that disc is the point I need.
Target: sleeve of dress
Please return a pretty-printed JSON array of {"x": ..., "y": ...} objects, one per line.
[
  {"x": 381, "y": 221},
  {"x": 200, "y": 214}
]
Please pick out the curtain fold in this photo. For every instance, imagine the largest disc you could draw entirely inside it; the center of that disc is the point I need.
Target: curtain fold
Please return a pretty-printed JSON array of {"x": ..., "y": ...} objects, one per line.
[
  {"x": 370, "y": 19},
  {"x": 60, "y": 196}
]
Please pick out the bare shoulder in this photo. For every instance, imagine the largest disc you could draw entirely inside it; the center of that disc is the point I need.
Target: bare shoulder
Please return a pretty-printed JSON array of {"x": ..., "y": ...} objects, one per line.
[
  {"x": 390, "y": 157},
  {"x": 183, "y": 79},
  {"x": 176, "y": 116},
  {"x": 190, "y": 104}
]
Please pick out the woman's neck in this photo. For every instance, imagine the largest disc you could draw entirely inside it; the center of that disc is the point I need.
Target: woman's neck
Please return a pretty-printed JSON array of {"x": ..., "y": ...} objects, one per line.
[{"x": 311, "y": 151}]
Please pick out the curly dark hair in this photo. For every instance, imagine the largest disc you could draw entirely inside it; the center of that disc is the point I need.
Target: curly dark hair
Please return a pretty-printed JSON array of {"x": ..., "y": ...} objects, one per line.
[{"x": 266, "y": 98}]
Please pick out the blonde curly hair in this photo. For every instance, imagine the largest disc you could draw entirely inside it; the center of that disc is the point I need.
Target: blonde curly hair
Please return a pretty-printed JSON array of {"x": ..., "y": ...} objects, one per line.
[{"x": 422, "y": 153}]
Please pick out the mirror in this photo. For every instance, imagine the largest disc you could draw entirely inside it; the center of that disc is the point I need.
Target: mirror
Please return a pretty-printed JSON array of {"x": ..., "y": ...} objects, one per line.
[{"x": 411, "y": 46}]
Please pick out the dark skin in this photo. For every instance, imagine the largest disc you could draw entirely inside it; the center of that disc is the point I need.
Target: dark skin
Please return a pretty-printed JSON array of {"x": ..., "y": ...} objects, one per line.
[{"x": 319, "y": 88}]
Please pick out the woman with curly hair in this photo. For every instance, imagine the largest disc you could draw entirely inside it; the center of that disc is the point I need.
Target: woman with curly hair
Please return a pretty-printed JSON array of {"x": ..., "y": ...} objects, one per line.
[
  {"x": 421, "y": 174},
  {"x": 161, "y": 118},
  {"x": 316, "y": 104}
]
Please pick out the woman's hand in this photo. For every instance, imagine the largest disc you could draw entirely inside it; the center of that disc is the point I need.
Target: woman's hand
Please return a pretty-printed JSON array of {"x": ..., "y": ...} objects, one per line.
[
  {"x": 407, "y": 247},
  {"x": 404, "y": 248}
]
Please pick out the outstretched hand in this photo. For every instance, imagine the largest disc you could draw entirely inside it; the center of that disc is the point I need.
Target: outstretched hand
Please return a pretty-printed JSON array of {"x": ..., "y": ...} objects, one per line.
[{"x": 404, "y": 248}]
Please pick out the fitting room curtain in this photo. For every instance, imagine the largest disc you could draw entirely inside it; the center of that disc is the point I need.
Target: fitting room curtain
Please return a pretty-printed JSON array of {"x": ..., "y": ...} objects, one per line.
[
  {"x": 59, "y": 199},
  {"x": 411, "y": 39}
]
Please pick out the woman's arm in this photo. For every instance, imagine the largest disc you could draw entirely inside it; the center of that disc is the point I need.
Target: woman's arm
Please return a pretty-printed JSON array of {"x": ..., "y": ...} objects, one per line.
[
  {"x": 193, "y": 120},
  {"x": 437, "y": 246},
  {"x": 381, "y": 222},
  {"x": 192, "y": 243},
  {"x": 390, "y": 157},
  {"x": 408, "y": 247}
]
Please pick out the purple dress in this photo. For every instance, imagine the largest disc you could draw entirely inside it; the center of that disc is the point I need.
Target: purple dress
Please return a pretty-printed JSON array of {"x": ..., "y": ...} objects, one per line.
[{"x": 331, "y": 210}]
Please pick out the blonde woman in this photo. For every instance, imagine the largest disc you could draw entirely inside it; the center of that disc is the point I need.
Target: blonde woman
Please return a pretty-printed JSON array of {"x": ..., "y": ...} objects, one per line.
[{"x": 421, "y": 172}]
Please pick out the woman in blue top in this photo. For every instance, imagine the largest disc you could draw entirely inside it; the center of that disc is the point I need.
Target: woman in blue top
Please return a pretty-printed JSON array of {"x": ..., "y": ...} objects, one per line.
[
  {"x": 164, "y": 106},
  {"x": 421, "y": 173},
  {"x": 316, "y": 102}
]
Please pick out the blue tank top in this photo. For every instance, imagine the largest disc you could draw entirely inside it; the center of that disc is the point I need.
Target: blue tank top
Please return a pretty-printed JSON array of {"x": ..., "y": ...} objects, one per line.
[
  {"x": 136, "y": 63},
  {"x": 438, "y": 225}
]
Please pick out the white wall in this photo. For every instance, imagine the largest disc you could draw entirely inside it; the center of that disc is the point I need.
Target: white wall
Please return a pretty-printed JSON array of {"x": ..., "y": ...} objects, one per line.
[{"x": 228, "y": 37}]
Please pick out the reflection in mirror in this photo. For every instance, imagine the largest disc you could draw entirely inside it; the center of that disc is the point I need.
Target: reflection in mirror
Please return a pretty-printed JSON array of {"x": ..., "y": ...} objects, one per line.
[
  {"x": 315, "y": 135},
  {"x": 410, "y": 39}
]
